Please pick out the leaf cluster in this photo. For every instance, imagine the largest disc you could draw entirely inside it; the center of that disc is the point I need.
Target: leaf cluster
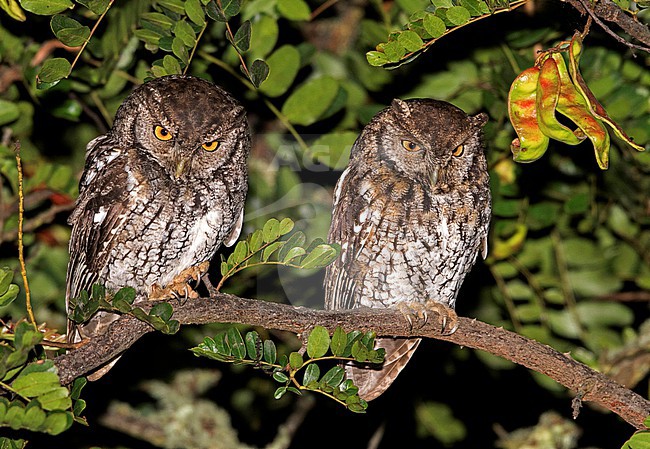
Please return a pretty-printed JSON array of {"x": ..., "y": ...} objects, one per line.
[
  {"x": 87, "y": 304},
  {"x": 350, "y": 347},
  {"x": 265, "y": 247},
  {"x": 33, "y": 396},
  {"x": 426, "y": 26}
]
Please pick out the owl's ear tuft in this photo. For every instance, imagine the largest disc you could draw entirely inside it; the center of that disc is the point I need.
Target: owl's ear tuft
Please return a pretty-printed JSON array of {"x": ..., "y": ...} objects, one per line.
[
  {"x": 401, "y": 107},
  {"x": 479, "y": 120}
]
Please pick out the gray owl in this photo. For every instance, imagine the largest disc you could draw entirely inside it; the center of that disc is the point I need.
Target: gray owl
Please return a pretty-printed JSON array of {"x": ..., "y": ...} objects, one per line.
[
  {"x": 160, "y": 192},
  {"x": 411, "y": 213}
]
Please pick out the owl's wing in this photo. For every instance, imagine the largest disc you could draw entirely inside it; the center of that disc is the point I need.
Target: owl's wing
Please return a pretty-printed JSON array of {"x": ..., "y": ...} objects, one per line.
[
  {"x": 232, "y": 237},
  {"x": 98, "y": 215},
  {"x": 352, "y": 229}
]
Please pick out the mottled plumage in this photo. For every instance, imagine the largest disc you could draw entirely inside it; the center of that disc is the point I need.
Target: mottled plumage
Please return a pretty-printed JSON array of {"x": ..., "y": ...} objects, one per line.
[
  {"x": 160, "y": 192},
  {"x": 411, "y": 213}
]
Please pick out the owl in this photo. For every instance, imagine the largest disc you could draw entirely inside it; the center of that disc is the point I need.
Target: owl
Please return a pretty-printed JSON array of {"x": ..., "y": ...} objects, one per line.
[
  {"x": 160, "y": 192},
  {"x": 411, "y": 213}
]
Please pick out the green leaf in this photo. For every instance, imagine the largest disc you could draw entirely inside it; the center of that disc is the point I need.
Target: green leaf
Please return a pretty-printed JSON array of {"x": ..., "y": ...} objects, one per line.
[
  {"x": 259, "y": 72},
  {"x": 640, "y": 440},
  {"x": 475, "y": 7},
  {"x": 339, "y": 342},
  {"x": 293, "y": 253},
  {"x": 318, "y": 342},
  {"x": 240, "y": 252},
  {"x": 126, "y": 294},
  {"x": 46, "y": 7},
  {"x": 57, "y": 422},
  {"x": 394, "y": 51},
  {"x": 310, "y": 100},
  {"x": 333, "y": 377},
  {"x": 158, "y": 19},
  {"x": 171, "y": 65},
  {"x": 279, "y": 376},
  {"x": 294, "y": 242},
  {"x": 36, "y": 383},
  {"x": 311, "y": 376},
  {"x": 230, "y": 8},
  {"x": 410, "y": 40},
  {"x": 96, "y": 6},
  {"x": 195, "y": 12},
  {"x": 8, "y": 112},
  {"x": 286, "y": 226},
  {"x": 458, "y": 15},
  {"x": 280, "y": 392},
  {"x": 319, "y": 257},
  {"x": 77, "y": 386},
  {"x": 242, "y": 38},
  {"x": 69, "y": 31},
  {"x": 54, "y": 70},
  {"x": 256, "y": 240},
  {"x": 6, "y": 276},
  {"x": 57, "y": 399},
  {"x": 294, "y": 9},
  {"x": 253, "y": 345},
  {"x": 434, "y": 25},
  {"x": 9, "y": 295},
  {"x": 163, "y": 310},
  {"x": 236, "y": 343},
  {"x": 180, "y": 50},
  {"x": 271, "y": 230},
  {"x": 377, "y": 58},
  {"x": 34, "y": 416},
  {"x": 270, "y": 352},
  {"x": 269, "y": 250},
  {"x": 184, "y": 31},
  {"x": 295, "y": 360}
]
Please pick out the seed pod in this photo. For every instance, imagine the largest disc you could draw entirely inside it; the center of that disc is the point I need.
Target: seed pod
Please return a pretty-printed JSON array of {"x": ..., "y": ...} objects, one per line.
[
  {"x": 574, "y": 106},
  {"x": 548, "y": 94},
  {"x": 575, "y": 50},
  {"x": 531, "y": 142}
]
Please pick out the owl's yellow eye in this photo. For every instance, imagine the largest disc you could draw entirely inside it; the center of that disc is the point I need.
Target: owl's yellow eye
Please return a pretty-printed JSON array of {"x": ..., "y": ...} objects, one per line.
[
  {"x": 410, "y": 146},
  {"x": 161, "y": 133},
  {"x": 211, "y": 146},
  {"x": 459, "y": 150}
]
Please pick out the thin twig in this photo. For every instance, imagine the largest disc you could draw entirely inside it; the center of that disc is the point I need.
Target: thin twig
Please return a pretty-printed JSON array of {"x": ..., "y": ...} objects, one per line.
[
  {"x": 196, "y": 44},
  {"x": 318, "y": 11},
  {"x": 92, "y": 33},
  {"x": 21, "y": 249}
]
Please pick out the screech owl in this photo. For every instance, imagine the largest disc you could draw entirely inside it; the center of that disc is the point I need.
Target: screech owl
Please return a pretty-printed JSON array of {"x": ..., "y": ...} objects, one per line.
[
  {"x": 160, "y": 192},
  {"x": 411, "y": 213}
]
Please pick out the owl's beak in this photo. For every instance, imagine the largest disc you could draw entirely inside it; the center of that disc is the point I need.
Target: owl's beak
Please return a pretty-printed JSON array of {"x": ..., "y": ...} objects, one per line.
[
  {"x": 433, "y": 179},
  {"x": 180, "y": 168}
]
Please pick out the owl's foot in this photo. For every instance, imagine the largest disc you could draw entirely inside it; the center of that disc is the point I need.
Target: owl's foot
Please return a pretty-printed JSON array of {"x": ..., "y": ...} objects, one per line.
[
  {"x": 180, "y": 287},
  {"x": 417, "y": 311}
]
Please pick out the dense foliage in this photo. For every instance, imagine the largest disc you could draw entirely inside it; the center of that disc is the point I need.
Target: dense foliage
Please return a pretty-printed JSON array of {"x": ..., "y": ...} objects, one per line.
[{"x": 569, "y": 261}]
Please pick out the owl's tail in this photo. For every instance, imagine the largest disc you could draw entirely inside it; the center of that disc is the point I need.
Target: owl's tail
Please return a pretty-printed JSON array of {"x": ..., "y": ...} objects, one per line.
[{"x": 373, "y": 382}]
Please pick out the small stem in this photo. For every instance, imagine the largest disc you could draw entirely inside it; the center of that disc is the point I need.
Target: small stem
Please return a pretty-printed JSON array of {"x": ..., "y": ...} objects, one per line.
[
  {"x": 196, "y": 44},
  {"x": 322, "y": 8},
  {"x": 92, "y": 32},
  {"x": 285, "y": 121},
  {"x": 11, "y": 390},
  {"x": 21, "y": 249}
]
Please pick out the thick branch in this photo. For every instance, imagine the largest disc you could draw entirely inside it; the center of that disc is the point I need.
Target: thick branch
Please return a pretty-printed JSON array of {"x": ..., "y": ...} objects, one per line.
[{"x": 587, "y": 383}]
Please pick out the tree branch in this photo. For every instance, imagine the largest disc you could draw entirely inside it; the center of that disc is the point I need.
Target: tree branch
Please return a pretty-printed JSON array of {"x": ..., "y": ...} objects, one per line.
[
  {"x": 588, "y": 384},
  {"x": 611, "y": 12}
]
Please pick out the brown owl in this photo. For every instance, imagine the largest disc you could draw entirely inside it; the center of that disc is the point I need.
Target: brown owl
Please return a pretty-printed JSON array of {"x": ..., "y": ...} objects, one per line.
[
  {"x": 411, "y": 213},
  {"x": 160, "y": 192}
]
